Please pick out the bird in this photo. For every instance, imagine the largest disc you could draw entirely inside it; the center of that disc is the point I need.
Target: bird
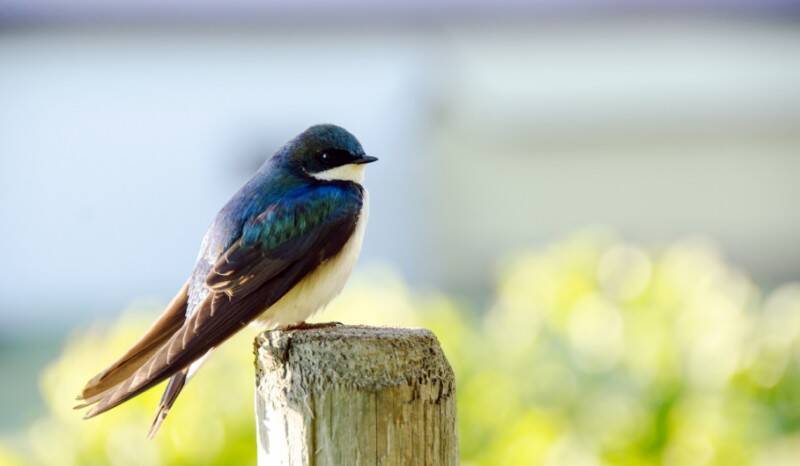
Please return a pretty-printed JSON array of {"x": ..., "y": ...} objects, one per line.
[{"x": 276, "y": 253}]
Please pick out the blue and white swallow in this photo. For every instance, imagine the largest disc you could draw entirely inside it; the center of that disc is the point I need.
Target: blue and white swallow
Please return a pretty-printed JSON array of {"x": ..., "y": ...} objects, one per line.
[{"x": 277, "y": 252}]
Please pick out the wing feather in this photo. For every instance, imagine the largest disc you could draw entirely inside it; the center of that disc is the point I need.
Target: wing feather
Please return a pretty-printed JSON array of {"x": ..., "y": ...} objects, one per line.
[
  {"x": 276, "y": 250},
  {"x": 167, "y": 324}
]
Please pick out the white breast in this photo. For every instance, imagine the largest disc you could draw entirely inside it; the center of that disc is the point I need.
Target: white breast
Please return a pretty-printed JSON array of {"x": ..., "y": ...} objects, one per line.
[{"x": 317, "y": 289}]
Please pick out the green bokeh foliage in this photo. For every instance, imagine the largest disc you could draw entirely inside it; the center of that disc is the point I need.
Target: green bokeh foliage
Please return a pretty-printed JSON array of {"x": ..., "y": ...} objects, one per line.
[{"x": 593, "y": 351}]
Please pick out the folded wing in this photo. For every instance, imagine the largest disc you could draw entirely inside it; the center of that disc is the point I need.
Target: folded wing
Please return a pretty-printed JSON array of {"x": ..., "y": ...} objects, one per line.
[{"x": 277, "y": 248}]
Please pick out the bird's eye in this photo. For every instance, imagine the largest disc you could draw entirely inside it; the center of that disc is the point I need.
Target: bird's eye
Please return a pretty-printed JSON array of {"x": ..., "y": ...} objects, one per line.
[{"x": 334, "y": 157}]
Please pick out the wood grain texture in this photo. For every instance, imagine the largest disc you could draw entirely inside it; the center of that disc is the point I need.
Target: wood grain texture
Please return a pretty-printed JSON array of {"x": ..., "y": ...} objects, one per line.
[{"x": 360, "y": 396}]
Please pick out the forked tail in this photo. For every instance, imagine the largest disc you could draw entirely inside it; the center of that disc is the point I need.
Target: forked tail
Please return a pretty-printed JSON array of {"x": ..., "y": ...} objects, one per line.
[{"x": 174, "y": 387}]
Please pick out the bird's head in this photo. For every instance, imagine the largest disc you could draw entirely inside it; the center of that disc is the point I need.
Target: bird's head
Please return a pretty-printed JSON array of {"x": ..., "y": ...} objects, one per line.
[{"x": 326, "y": 152}]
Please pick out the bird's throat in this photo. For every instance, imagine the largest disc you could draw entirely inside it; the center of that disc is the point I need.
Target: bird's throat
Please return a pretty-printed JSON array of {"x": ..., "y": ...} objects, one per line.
[{"x": 351, "y": 172}]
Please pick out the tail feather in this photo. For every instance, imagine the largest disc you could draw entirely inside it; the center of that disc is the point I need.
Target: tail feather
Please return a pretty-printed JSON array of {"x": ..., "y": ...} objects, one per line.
[
  {"x": 115, "y": 375},
  {"x": 174, "y": 387}
]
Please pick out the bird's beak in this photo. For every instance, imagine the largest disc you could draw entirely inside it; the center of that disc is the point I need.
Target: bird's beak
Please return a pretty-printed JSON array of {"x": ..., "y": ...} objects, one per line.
[{"x": 365, "y": 159}]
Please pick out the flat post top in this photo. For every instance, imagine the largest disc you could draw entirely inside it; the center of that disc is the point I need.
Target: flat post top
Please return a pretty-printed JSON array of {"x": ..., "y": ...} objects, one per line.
[{"x": 354, "y": 357}]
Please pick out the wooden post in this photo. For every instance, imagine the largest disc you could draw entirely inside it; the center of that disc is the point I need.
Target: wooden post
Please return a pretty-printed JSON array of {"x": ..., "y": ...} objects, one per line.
[{"x": 354, "y": 396}]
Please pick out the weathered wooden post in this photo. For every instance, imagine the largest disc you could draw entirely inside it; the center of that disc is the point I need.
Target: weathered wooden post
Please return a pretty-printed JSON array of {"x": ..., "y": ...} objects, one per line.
[{"x": 354, "y": 396}]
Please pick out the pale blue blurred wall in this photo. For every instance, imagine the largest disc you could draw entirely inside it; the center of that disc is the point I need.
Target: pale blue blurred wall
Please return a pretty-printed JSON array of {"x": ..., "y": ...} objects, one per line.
[
  {"x": 116, "y": 150},
  {"x": 117, "y": 145}
]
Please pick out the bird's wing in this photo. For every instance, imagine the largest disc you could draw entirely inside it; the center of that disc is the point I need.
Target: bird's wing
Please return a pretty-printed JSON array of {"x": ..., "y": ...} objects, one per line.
[
  {"x": 168, "y": 323},
  {"x": 276, "y": 249}
]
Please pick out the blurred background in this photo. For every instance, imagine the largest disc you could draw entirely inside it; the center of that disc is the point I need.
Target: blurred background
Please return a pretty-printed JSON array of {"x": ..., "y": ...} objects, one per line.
[{"x": 599, "y": 195}]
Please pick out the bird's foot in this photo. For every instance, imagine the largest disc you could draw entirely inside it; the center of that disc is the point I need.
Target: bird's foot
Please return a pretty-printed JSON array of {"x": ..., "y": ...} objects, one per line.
[{"x": 307, "y": 326}]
